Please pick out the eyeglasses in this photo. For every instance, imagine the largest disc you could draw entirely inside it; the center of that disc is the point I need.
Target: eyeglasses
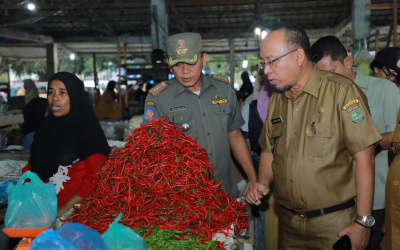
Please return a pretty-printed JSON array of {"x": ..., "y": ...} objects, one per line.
[{"x": 269, "y": 64}]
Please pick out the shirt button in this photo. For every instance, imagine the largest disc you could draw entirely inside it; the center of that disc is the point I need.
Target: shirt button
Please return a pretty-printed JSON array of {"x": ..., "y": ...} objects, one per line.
[
  {"x": 395, "y": 183},
  {"x": 208, "y": 133},
  {"x": 291, "y": 180},
  {"x": 395, "y": 207},
  {"x": 397, "y": 230},
  {"x": 211, "y": 154},
  {"x": 204, "y": 114},
  {"x": 297, "y": 109},
  {"x": 295, "y": 132}
]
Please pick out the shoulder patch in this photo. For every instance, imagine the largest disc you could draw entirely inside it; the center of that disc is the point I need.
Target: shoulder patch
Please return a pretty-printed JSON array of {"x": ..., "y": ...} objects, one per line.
[
  {"x": 350, "y": 102},
  {"x": 221, "y": 78},
  {"x": 158, "y": 88}
]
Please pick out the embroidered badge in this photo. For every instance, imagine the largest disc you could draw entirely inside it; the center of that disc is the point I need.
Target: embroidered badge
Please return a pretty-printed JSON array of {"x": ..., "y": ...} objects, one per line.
[
  {"x": 150, "y": 104},
  {"x": 351, "y": 102},
  {"x": 220, "y": 101},
  {"x": 158, "y": 88},
  {"x": 355, "y": 114},
  {"x": 221, "y": 78},
  {"x": 321, "y": 110},
  {"x": 182, "y": 50},
  {"x": 276, "y": 120},
  {"x": 149, "y": 114},
  {"x": 177, "y": 108}
]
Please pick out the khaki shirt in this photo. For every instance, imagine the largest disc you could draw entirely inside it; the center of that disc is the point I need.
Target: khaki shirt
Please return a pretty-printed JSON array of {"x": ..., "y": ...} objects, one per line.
[
  {"x": 391, "y": 240},
  {"x": 209, "y": 117},
  {"x": 313, "y": 139}
]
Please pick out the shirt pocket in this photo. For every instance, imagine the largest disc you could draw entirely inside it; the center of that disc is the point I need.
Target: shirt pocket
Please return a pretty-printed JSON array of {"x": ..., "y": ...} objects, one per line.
[
  {"x": 222, "y": 112},
  {"x": 319, "y": 141},
  {"x": 276, "y": 135},
  {"x": 185, "y": 121}
]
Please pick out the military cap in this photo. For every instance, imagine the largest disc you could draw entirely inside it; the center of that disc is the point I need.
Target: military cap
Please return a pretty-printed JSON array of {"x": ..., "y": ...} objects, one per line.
[{"x": 183, "y": 48}]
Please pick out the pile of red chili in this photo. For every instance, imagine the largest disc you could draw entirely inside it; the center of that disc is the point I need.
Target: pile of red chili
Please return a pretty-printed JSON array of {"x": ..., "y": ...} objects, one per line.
[{"x": 161, "y": 178}]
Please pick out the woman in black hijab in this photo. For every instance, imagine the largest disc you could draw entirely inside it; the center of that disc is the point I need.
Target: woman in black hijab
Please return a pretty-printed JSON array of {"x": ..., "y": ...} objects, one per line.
[{"x": 69, "y": 147}]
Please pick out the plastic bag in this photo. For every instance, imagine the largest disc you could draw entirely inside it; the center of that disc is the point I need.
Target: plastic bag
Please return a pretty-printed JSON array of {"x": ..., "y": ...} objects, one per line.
[
  {"x": 69, "y": 236},
  {"x": 3, "y": 189},
  {"x": 50, "y": 240},
  {"x": 81, "y": 236},
  {"x": 121, "y": 237},
  {"x": 32, "y": 204}
]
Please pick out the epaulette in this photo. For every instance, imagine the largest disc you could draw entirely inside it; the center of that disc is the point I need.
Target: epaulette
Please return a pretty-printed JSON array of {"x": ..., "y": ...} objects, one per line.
[
  {"x": 221, "y": 78},
  {"x": 158, "y": 88}
]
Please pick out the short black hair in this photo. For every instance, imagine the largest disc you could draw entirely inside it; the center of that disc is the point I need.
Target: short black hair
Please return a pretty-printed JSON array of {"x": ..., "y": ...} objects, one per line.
[
  {"x": 328, "y": 46},
  {"x": 296, "y": 37}
]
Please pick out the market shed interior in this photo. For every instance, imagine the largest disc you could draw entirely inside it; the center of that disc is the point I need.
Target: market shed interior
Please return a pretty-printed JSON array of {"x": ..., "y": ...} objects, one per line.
[{"x": 135, "y": 33}]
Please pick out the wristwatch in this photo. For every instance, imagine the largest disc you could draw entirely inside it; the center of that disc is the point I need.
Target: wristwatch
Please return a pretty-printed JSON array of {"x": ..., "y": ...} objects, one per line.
[{"x": 368, "y": 220}]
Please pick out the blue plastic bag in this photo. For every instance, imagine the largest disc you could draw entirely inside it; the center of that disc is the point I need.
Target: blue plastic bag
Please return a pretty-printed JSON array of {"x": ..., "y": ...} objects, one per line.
[
  {"x": 81, "y": 236},
  {"x": 119, "y": 237},
  {"x": 3, "y": 189},
  {"x": 71, "y": 236},
  {"x": 50, "y": 240},
  {"x": 31, "y": 204}
]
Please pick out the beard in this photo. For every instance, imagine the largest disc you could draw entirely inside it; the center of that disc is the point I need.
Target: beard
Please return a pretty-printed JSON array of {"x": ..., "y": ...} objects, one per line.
[{"x": 282, "y": 89}]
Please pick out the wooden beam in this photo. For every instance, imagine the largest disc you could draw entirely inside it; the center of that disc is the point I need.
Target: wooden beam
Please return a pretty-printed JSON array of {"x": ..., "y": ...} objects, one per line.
[
  {"x": 25, "y": 36},
  {"x": 379, "y": 6}
]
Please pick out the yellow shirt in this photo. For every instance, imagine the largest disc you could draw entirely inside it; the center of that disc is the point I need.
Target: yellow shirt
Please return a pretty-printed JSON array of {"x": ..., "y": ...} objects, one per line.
[{"x": 313, "y": 139}]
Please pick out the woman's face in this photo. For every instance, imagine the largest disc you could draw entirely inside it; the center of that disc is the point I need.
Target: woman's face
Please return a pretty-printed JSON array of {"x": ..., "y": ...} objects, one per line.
[
  {"x": 58, "y": 98},
  {"x": 384, "y": 74}
]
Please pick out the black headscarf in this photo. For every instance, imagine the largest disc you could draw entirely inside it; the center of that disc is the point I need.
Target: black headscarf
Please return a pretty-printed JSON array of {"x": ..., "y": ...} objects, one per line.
[
  {"x": 63, "y": 140},
  {"x": 247, "y": 87},
  {"x": 34, "y": 113}
]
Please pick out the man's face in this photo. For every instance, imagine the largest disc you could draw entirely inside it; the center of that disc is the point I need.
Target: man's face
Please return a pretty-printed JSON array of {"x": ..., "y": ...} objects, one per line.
[
  {"x": 282, "y": 74},
  {"x": 190, "y": 75},
  {"x": 326, "y": 63}
]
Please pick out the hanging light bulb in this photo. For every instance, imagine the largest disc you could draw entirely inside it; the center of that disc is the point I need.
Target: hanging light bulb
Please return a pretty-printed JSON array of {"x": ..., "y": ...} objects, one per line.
[
  {"x": 72, "y": 56},
  {"x": 245, "y": 63},
  {"x": 31, "y": 6}
]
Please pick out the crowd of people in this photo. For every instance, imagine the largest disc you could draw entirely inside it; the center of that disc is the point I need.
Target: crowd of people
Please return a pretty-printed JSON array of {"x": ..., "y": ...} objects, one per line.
[{"x": 313, "y": 129}]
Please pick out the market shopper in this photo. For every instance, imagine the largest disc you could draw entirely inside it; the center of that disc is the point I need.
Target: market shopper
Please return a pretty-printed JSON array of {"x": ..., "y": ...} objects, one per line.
[
  {"x": 384, "y": 64},
  {"x": 317, "y": 124},
  {"x": 383, "y": 100},
  {"x": 69, "y": 147},
  {"x": 204, "y": 106},
  {"x": 107, "y": 107},
  {"x": 34, "y": 113},
  {"x": 31, "y": 90}
]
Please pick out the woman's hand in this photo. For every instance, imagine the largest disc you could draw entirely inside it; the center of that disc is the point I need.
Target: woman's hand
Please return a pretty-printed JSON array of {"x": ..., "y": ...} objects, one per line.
[{"x": 75, "y": 199}]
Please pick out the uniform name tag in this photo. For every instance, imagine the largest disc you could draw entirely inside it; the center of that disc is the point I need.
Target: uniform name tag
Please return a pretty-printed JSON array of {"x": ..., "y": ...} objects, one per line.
[
  {"x": 220, "y": 101},
  {"x": 177, "y": 108},
  {"x": 276, "y": 120}
]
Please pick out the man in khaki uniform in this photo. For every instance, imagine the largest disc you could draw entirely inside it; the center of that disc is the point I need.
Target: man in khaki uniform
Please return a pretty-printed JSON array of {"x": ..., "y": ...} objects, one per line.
[
  {"x": 317, "y": 123},
  {"x": 204, "y": 106}
]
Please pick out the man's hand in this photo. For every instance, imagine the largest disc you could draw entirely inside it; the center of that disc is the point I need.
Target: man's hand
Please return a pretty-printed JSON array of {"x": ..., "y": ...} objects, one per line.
[
  {"x": 254, "y": 192},
  {"x": 359, "y": 236}
]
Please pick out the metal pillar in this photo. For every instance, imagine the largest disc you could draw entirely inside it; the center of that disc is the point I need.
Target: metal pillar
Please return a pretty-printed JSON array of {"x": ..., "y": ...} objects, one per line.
[
  {"x": 232, "y": 60},
  {"x": 52, "y": 59},
  {"x": 159, "y": 25},
  {"x": 361, "y": 19}
]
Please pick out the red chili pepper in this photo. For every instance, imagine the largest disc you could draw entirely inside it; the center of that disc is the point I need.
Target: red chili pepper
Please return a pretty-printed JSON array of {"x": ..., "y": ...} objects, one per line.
[{"x": 162, "y": 178}]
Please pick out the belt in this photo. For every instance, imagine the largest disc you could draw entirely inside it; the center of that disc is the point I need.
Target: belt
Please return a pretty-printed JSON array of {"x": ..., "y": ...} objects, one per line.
[{"x": 323, "y": 211}]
